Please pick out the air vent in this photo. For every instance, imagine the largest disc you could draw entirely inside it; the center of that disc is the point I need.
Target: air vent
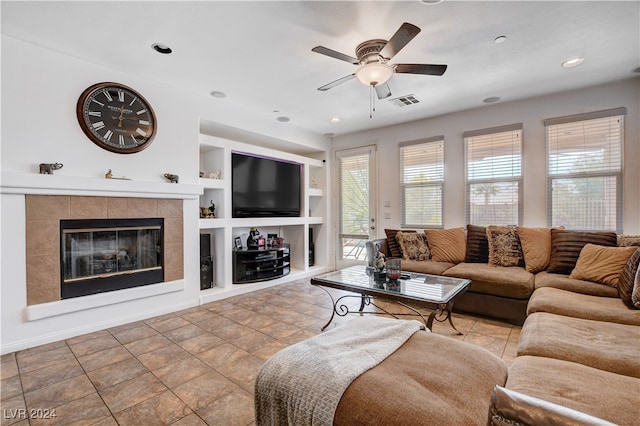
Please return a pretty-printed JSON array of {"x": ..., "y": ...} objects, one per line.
[{"x": 404, "y": 101}]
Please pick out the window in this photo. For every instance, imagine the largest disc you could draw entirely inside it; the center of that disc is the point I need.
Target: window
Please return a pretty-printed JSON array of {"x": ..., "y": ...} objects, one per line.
[
  {"x": 584, "y": 170},
  {"x": 421, "y": 182},
  {"x": 494, "y": 175}
]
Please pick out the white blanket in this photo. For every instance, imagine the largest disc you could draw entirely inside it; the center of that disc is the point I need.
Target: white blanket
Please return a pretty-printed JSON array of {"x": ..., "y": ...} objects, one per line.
[{"x": 303, "y": 384}]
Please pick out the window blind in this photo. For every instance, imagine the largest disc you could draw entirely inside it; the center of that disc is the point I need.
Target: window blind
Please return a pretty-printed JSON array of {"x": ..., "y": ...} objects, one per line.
[
  {"x": 421, "y": 183},
  {"x": 494, "y": 175},
  {"x": 584, "y": 171}
]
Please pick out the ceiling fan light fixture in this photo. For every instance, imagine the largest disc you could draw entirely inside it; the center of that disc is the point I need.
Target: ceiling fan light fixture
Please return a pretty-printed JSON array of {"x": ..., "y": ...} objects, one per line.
[{"x": 374, "y": 73}]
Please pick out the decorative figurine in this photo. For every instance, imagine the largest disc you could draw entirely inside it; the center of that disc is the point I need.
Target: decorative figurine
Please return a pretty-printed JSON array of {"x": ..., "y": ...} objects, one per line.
[
  {"x": 48, "y": 168},
  {"x": 215, "y": 175},
  {"x": 171, "y": 178},
  {"x": 109, "y": 175},
  {"x": 208, "y": 212},
  {"x": 378, "y": 262},
  {"x": 252, "y": 239}
]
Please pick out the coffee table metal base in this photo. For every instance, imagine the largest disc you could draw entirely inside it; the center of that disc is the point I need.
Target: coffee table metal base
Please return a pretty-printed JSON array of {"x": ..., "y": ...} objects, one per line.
[{"x": 441, "y": 313}]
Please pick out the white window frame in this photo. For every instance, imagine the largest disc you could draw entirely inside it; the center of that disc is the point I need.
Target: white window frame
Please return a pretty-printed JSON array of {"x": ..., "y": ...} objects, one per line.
[
  {"x": 516, "y": 175},
  {"x": 614, "y": 167},
  {"x": 435, "y": 143}
]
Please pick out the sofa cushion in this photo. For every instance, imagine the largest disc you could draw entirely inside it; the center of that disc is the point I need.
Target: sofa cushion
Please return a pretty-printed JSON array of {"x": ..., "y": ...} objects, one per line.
[
  {"x": 426, "y": 266},
  {"x": 568, "y": 303},
  {"x": 603, "y": 345},
  {"x": 512, "y": 281},
  {"x": 536, "y": 248},
  {"x": 451, "y": 384},
  {"x": 606, "y": 395},
  {"x": 561, "y": 281},
  {"x": 511, "y": 408},
  {"x": 477, "y": 245},
  {"x": 627, "y": 277},
  {"x": 413, "y": 245},
  {"x": 447, "y": 245},
  {"x": 601, "y": 264},
  {"x": 504, "y": 246},
  {"x": 566, "y": 246}
]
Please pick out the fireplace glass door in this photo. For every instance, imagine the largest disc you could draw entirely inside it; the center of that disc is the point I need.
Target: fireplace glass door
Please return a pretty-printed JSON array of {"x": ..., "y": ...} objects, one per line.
[{"x": 118, "y": 253}]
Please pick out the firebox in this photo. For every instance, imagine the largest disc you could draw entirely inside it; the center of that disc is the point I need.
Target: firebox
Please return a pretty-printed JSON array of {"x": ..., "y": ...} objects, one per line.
[{"x": 100, "y": 255}]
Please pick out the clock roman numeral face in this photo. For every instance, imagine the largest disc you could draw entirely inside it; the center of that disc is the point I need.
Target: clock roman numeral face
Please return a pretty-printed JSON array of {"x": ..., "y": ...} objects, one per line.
[{"x": 116, "y": 118}]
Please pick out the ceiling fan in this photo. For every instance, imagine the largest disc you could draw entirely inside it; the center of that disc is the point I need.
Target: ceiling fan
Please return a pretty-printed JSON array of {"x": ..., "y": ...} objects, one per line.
[{"x": 372, "y": 58}]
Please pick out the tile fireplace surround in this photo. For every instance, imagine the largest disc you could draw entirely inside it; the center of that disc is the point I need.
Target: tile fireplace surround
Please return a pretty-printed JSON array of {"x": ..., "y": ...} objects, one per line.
[{"x": 43, "y": 215}]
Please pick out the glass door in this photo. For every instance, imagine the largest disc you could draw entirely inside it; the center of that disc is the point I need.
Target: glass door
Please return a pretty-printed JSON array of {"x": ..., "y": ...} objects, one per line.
[{"x": 355, "y": 178}]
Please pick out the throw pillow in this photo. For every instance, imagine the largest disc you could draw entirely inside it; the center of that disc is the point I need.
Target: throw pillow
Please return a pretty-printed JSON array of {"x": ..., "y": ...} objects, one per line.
[
  {"x": 477, "y": 245},
  {"x": 627, "y": 277},
  {"x": 601, "y": 264},
  {"x": 536, "y": 248},
  {"x": 413, "y": 245},
  {"x": 635, "y": 296},
  {"x": 628, "y": 240},
  {"x": 447, "y": 245},
  {"x": 504, "y": 246},
  {"x": 566, "y": 246},
  {"x": 392, "y": 242}
]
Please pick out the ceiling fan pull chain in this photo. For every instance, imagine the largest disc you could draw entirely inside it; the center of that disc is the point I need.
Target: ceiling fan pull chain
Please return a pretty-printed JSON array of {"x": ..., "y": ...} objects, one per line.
[{"x": 372, "y": 102}]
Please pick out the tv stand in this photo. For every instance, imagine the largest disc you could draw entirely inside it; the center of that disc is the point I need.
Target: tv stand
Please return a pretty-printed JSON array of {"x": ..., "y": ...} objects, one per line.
[{"x": 260, "y": 264}]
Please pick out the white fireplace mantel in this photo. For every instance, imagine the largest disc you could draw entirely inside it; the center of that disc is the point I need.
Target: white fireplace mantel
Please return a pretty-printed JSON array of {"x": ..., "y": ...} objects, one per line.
[{"x": 32, "y": 183}]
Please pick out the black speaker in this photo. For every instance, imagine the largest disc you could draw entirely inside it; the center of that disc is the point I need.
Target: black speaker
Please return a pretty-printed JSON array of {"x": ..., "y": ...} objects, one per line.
[
  {"x": 312, "y": 257},
  {"x": 205, "y": 245},
  {"x": 206, "y": 272}
]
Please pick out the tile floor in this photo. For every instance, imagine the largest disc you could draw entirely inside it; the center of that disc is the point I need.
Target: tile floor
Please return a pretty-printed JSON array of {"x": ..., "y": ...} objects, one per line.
[{"x": 192, "y": 367}]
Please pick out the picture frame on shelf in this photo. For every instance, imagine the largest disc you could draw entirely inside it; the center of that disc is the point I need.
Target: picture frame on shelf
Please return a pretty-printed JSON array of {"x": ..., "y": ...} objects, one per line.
[{"x": 237, "y": 243}]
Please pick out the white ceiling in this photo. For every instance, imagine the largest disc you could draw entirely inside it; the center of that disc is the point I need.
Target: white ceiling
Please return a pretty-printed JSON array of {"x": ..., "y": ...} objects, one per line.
[{"x": 259, "y": 53}]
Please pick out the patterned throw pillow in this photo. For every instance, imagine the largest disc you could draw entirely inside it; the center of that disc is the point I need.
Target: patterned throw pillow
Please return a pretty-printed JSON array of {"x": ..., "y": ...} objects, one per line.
[
  {"x": 635, "y": 296},
  {"x": 628, "y": 240},
  {"x": 413, "y": 245},
  {"x": 566, "y": 246},
  {"x": 601, "y": 264},
  {"x": 504, "y": 246},
  {"x": 627, "y": 277},
  {"x": 392, "y": 242},
  {"x": 477, "y": 245}
]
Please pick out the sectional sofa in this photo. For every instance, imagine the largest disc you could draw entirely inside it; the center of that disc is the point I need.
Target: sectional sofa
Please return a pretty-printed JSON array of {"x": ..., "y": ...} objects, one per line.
[
  {"x": 578, "y": 357},
  {"x": 506, "y": 264}
]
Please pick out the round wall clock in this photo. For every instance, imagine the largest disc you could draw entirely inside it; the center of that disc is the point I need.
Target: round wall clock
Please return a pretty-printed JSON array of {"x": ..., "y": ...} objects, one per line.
[{"x": 116, "y": 118}]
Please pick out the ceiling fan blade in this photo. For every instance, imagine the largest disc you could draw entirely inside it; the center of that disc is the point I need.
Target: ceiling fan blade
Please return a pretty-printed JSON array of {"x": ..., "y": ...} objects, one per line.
[
  {"x": 337, "y": 82},
  {"x": 404, "y": 35},
  {"x": 428, "y": 69},
  {"x": 337, "y": 55},
  {"x": 383, "y": 90}
]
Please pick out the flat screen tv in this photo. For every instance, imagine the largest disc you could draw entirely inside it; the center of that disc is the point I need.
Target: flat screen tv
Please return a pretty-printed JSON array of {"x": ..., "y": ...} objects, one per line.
[{"x": 264, "y": 187}]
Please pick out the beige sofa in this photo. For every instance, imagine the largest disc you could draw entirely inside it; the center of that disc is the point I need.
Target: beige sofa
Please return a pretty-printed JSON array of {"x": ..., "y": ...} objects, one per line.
[{"x": 503, "y": 292}]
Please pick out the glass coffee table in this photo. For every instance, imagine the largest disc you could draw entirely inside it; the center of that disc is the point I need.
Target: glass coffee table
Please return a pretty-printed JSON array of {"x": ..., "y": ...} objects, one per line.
[{"x": 412, "y": 291}]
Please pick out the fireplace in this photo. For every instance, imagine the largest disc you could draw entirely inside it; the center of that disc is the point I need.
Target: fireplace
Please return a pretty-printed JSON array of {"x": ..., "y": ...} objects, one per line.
[{"x": 100, "y": 255}]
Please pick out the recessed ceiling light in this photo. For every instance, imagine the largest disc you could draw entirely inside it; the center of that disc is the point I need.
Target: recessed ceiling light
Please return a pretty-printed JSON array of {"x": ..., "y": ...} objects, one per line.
[
  {"x": 283, "y": 119},
  {"x": 430, "y": 2},
  {"x": 336, "y": 120},
  {"x": 572, "y": 62},
  {"x": 217, "y": 94},
  {"x": 500, "y": 39},
  {"x": 491, "y": 100},
  {"x": 161, "y": 48}
]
